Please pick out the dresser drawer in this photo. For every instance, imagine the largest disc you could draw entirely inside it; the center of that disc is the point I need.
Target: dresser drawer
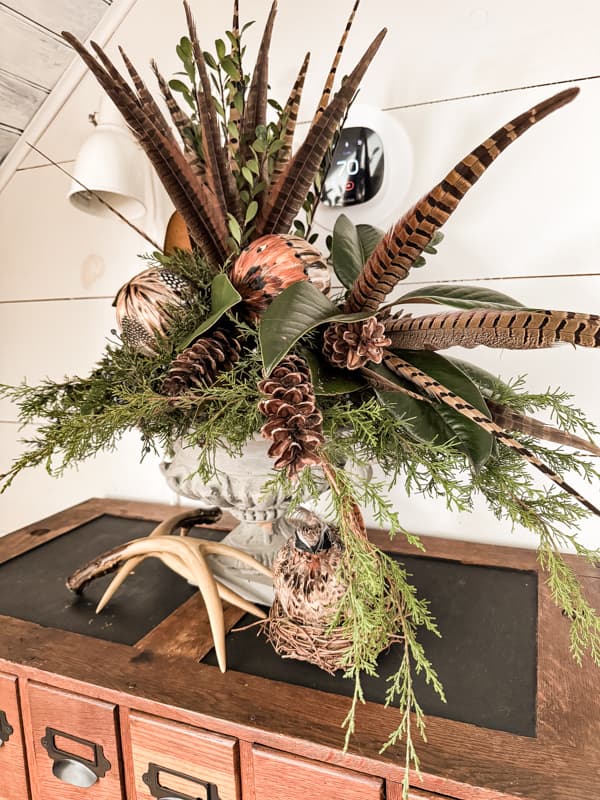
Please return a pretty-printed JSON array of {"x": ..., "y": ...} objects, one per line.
[
  {"x": 76, "y": 756},
  {"x": 13, "y": 777},
  {"x": 278, "y": 776},
  {"x": 177, "y": 761}
]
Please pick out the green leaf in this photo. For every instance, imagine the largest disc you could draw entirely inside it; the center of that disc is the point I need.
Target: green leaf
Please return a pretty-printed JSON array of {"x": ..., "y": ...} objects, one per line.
[
  {"x": 346, "y": 251},
  {"x": 297, "y": 310},
  {"x": 223, "y": 297},
  {"x": 234, "y": 228},
  {"x": 251, "y": 211},
  {"x": 351, "y": 247},
  {"x": 247, "y": 175},
  {"x": 178, "y": 86},
  {"x": 487, "y": 383},
  {"x": 466, "y": 297},
  {"x": 369, "y": 237},
  {"x": 420, "y": 417},
  {"x": 230, "y": 68},
  {"x": 209, "y": 59},
  {"x": 220, "y": 48},
  {"x": 328, "y": 380},
  {"x": 472, "y": 440}
]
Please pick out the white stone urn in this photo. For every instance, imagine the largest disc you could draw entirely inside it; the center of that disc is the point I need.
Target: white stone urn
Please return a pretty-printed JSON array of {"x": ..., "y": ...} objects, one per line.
[{"x": 237, "y": 487}]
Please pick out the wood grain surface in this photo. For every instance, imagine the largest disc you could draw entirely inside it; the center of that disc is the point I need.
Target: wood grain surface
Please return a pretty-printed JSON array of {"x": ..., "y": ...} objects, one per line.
[
  {"x": 279, "y": 776},
  {"x": 201, "y": 755},
  {"x": 13, "y": 776},
  {"x": 78, "y": 716},
  {"x": 459, "y": 760}
]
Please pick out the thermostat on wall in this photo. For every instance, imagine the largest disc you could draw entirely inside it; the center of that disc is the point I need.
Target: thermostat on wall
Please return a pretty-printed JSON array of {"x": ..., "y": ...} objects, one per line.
[{"x": 370, "y": 172}]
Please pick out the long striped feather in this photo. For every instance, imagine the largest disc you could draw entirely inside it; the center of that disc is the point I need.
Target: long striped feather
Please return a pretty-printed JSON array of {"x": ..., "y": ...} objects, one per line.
[
  {"x": 285, "y": 198},
  {"x": 513, "y": 330},
  {"x": 167, "y": 159},
  {"x": 394, "y": 256},
  {"x": 514, "y": 421},
  {"x": 290, "y": 112},
  {"x": 255, "y": 111},
  {"x": 328, "y": 88},
  {"x": 166, "y": 144},
  {"x": 182, "y": 121},
  {"x": 218, "y": 172},
  {"x": 439, "y": 392}
]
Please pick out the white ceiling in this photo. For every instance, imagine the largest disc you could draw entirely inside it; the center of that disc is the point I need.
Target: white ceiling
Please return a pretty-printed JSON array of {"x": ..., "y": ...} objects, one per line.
[{"x": 33, "y": 55}]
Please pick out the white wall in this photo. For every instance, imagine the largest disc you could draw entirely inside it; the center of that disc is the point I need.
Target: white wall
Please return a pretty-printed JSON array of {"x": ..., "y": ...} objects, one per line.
[{"x": 535, "y": 213}]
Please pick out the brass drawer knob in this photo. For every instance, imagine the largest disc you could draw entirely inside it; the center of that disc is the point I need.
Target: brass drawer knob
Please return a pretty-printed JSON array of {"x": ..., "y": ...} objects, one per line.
[
  {"x": 210, "y": 791},
  {"x": 72, "y": 768}
]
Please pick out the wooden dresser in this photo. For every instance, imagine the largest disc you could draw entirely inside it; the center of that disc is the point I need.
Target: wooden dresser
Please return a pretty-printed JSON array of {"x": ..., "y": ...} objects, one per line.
[{"x": 106, "y": 708}]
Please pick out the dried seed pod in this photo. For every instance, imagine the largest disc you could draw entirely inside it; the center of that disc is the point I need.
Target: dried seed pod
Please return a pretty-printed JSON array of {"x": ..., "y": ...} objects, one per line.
[
  {"x": 272, "y": 263},
  {"x": 146, "y": 304}
]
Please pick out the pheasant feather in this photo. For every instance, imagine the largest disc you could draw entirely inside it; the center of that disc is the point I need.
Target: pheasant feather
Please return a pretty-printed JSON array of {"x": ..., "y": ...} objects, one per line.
[
  {"x": 397, "y": 252},
  {"x": 180, "y": 119},
  {"x": 327, "y": 89},
  {"x": 171, "y": 167},
  {"x": 514, "y": 421},
  {"x": 286, "y": 197},
  {"x": 439, "y": 392},
  {"x": 218, "y": 173},
  {"x": 255, "y": 112},
  {"x": 290, "y": 114},
  {"x": 513, "y": 330}
]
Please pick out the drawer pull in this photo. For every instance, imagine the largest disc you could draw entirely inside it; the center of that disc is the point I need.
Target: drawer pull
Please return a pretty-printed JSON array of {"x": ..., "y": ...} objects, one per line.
[
  {"x": 151, "y": 779},
  {"x": 6, "y": 729},
  {"x": 71, "y": 768}
]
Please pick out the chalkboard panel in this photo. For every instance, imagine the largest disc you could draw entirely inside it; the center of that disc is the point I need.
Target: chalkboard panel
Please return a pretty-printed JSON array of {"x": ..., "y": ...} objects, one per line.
[
  {"x": 486, "y": 657},
  {"x": 32, "y": 586}
]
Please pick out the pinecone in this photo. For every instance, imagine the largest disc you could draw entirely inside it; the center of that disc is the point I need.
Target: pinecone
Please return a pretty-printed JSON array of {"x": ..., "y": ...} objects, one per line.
[
  {"x": 293, "y": 420},
  {"x": 200, "y": 364},
  {"x": 352, "y": 344}
]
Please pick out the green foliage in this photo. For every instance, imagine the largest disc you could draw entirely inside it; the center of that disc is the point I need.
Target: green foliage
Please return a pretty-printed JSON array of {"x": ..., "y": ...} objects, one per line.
[
  {"x": 224, "y": 296},
  {"x": 351, "y": 246},
  {"x": 298, "y": 310},
  {"x": 466, "y": 297}
]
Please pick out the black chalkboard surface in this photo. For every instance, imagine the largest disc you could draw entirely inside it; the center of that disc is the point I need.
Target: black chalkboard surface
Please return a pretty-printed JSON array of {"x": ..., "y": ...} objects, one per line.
[
  {"x": 486, "y": 658},
  {"x": 32, "y": 586}
]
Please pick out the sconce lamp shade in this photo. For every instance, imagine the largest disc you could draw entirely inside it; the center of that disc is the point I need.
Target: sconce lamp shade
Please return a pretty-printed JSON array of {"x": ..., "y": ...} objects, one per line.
[{"x": 111, "y": 164}]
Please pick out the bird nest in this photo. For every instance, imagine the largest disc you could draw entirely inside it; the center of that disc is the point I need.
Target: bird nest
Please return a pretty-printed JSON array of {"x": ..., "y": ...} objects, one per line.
[{"x": 320, "y": 644}]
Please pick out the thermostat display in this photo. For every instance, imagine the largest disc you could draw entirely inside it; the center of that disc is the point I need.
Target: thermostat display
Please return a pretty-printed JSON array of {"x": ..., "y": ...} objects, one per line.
[{"x": 357, "y": 166}]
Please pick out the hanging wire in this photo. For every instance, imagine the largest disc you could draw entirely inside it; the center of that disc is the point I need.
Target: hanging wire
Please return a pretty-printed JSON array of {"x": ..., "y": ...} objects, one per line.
[{"x": 493, "y": 91}]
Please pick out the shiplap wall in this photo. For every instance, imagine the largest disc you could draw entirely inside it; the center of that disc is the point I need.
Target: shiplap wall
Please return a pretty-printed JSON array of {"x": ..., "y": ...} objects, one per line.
[
  {"x": 535, "y": 213},
  {"x": 33, "y": 55}
]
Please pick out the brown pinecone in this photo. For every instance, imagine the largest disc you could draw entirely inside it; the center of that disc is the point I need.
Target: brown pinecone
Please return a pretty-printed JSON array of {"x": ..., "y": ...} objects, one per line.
[
  {"x": 293, "y": 419},
  {"x": 352, "y": 344},
  {"x": 200, "y": 364}
]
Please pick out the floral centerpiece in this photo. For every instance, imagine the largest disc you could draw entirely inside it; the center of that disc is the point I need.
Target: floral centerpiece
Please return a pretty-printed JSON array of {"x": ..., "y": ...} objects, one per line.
[{"x": 233, "y": 330}]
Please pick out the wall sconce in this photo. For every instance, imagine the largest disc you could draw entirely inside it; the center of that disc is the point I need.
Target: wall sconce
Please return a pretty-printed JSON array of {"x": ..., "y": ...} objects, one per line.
[{"x": 111, "y": 164}]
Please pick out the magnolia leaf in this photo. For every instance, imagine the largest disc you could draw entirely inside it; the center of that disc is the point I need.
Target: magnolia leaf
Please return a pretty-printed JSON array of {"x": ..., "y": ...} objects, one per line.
[
  {"x": 351, "y": 246},
  {"x": 486, "y": 381},
  {"x": 475, "y": 442},
  {"x": 223, "y": 297},
  {"x": 420, "y": 417},
  {"x": 251, "y": 211},
  {"x": 328, "y": 380},
  {"x": 369, "y": 237},
  {"x": 297, "y": 310},
  {"x": 460, "y": 297}
]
